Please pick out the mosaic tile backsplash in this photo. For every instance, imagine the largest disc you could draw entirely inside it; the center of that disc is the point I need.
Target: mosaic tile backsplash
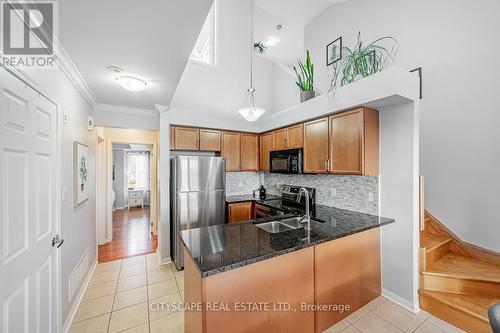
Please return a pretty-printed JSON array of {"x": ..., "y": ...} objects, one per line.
[
  {"x": 249, "y": 181},
  {"x": 345, "y": 192}
]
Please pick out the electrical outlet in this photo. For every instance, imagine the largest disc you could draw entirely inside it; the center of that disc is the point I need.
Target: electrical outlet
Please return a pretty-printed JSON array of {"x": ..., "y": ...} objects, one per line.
[
  {"x": 333, "y": 192},
  {"x": 371, "y": 197},
  {"x": 240, "y": 184}
]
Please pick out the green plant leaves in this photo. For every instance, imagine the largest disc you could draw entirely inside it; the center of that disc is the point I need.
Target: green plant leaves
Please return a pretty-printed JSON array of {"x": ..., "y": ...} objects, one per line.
[
  {"x": 305, "y": 78},
  {"x": 361, "y": 61}
]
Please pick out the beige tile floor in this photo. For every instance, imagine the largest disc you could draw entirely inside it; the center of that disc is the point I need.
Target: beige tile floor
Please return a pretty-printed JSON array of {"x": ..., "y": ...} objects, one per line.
[{"x": 119, "y": 293}]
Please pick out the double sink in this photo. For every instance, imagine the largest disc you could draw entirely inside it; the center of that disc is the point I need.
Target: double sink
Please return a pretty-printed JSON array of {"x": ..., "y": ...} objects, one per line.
[{"x": 284, "y": 225}]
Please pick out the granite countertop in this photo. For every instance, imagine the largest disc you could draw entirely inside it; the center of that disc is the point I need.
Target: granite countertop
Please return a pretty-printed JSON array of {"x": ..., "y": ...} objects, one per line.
[
  {"x": 249, "y": 197},
  {"x": 223, "y": 247}
]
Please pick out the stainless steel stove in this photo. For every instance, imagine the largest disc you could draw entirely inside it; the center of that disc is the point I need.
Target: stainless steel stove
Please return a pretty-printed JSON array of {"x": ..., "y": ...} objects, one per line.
[{"x": 287, "y": 204}]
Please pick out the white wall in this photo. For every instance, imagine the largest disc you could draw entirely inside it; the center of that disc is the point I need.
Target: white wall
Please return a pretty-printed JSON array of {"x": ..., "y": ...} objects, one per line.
[
  {"x": 123, "y": 120},
  {"x": 78, "y": 224},
  {"x": 210, "y": 96},
  {"x": 454, "y": 43},
  {"x": 119, "y": 182}
]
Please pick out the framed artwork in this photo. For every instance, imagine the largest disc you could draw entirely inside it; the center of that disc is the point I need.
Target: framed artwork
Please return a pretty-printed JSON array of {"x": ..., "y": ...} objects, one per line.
[
  {"x": 80, "y": 173},
  {"x": 371, "y": 60},
  {"x": 334, "y": 51}
]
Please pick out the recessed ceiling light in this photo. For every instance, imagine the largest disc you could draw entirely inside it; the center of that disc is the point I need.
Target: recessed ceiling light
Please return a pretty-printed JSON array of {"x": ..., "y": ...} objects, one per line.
[
  {"x": 279, "y": 27},
  {"x": 131, "y": 83}
]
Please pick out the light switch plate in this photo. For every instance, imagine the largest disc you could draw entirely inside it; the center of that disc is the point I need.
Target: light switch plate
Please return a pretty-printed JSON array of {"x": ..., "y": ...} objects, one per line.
[
  {"x": 333, "y": 192},
  {"x": 240, "y": 184},
  {"x": 64, "y": 194},
  {"x": 371, "y": 197}
]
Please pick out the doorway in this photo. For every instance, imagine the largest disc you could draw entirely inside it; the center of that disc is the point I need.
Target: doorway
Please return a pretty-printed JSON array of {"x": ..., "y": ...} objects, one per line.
[{"x": 127, "y": 224}]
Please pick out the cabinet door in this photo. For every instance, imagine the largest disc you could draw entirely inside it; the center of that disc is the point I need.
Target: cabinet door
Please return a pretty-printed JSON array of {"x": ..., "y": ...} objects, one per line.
[
  {"x": 241, "y": 211},
  {"x": 209, "y": 140},
  {"x": 295, "y": 136},
  {"x": 346, "y": 142},
  {"x": 186, "y": 138},
  {"x": 172, "y": 137},
  {"x": 249, "y": 152},
  {"x": 347, "y": 272},
  {"x": 280, "y": 139},
  {"x": 231, "y": 150},
  {"x": 266, "y": 145},
  {"x": 316, "y": 146}
]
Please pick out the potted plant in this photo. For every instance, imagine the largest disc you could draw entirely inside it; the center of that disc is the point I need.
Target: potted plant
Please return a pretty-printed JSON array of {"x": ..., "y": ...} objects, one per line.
[
  {"x": 363, "y": 60},
  {"x": 305, "y": 79}
]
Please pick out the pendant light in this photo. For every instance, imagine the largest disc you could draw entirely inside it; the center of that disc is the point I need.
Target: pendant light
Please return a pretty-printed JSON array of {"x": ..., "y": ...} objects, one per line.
[{"x": 250, "y": 112}]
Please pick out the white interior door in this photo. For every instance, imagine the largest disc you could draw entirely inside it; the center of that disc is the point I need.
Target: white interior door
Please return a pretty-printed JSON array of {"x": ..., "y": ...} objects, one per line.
[{"x": 28, "y": 208}]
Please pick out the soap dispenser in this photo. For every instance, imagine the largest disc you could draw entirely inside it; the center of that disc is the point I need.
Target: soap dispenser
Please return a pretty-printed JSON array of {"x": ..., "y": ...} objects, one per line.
[{"x": 262, "y": 192}]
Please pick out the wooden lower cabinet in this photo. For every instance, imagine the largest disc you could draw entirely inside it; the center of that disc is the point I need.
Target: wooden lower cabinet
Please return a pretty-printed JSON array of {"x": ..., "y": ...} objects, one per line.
[
  {"x": 316, "y": 146},
  {"x": 347, "y": 273},
  {"x": 288, "y": 278},
  {"x": 240, "y": 211},
  {"x": 344, "y": 271},
  {"x": 249, "y": 152}
]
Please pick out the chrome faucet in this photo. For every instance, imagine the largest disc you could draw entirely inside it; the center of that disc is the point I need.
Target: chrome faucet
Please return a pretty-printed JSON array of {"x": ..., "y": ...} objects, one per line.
[{"x": 307, "y": 216}]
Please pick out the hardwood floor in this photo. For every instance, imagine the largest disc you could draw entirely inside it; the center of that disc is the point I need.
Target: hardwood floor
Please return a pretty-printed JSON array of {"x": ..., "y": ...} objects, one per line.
[{"x": 131, "y": 235}]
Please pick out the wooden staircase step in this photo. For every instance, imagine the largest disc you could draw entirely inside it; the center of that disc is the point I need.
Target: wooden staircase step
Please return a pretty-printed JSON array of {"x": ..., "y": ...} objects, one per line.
[
  {"x": 461, "y": 275},
  {"x": 432, "y": 241},
  {"x": 436, "y": 246},
  {"x": 467, "y": 312},
  {"x": 453, "y": 265}
]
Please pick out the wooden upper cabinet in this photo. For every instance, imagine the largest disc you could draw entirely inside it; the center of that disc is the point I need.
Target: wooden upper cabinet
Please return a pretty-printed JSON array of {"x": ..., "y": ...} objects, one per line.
[
  {"x": 231, "y": 149},
  {"x": 295, "y": 136},
  {"x": 316, "y": 146},
  {"x": 209, "y": 140},
  {"x": 172, "y": 137},
  {"x": 249, "y": 152},
  {"x": 186, "y": 138},
  {"x": 279, "y": 139},
  {"x": 289, "y": 138},
  {"x": 354, "y": 144},
  {"x": 266, "y": 145}
]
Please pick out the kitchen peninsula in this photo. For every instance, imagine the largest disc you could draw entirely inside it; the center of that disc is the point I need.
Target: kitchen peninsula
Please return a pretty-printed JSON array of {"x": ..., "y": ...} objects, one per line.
[{"x": 233, "y": 268}]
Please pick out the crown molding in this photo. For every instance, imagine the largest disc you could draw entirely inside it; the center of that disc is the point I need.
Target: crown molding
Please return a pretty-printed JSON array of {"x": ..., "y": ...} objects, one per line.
[
  {"x": 126, "y": 110},
  {"x": 161, "y": 108},
  {"x": 69, "y": 69}
]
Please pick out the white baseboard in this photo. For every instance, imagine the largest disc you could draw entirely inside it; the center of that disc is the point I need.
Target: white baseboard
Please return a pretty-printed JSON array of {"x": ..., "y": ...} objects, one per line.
[
  {"x": 163, "y": 261},
  {"x": 79, "y": 297},
  {"x": 400, "y": 301}
]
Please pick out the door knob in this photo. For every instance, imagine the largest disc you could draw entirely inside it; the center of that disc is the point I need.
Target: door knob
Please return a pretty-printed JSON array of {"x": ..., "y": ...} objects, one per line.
[{"x": 57, "y": 241}]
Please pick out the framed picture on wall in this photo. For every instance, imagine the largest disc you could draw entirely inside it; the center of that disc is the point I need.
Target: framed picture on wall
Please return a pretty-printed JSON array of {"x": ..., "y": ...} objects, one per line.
[
  {"x": 80, "y": 173},
  {"x": 334, "y": 51}
]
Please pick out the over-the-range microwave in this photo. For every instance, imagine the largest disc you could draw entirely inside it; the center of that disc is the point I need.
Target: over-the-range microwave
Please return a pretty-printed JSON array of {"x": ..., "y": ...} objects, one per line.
[{"x": 286, "y": 161}]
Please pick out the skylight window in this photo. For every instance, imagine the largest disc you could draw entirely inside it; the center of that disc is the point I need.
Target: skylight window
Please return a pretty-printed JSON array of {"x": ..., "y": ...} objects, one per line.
[{"x": 205, "y": 49}]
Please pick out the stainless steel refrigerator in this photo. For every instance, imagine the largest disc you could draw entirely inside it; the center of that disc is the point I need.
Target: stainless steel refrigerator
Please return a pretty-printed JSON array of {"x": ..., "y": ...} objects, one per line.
[{"x": 197, "y": 196}]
